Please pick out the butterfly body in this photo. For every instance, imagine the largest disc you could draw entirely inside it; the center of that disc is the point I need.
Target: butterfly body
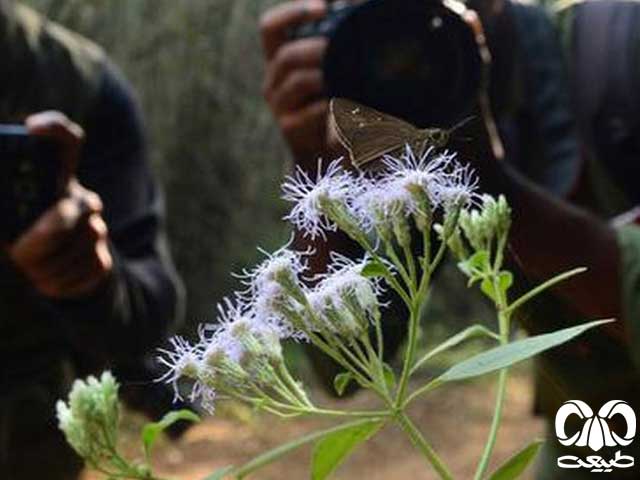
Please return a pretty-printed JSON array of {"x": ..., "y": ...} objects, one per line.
[{"x": 368, "y": 134}]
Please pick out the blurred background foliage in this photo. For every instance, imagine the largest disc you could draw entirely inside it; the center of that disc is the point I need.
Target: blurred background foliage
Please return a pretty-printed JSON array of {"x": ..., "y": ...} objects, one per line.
[{"x": 197, "y": 67}]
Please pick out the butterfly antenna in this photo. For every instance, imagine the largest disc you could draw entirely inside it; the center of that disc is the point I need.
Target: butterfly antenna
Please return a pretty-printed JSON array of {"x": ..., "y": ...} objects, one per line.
[{"x": 462, "y": 123}]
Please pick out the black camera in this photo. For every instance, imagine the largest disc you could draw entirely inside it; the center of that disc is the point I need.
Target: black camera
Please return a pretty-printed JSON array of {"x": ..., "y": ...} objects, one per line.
[
  {"x": 415, "y": 59},
  {"x": 30, "y": 181}
]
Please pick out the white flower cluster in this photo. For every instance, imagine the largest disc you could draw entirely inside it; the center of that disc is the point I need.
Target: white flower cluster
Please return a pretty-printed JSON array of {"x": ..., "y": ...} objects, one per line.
[
  {"x": 360, "y": 203},
  {"x": 491, "y": 221},
  {"x": 90, "y": 419},
  {"x": 241, "y": 354}
]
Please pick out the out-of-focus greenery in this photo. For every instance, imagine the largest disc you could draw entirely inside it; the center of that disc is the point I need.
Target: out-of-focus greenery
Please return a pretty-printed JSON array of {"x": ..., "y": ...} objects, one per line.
[
  {"x": 196, "y": 65},
  {"x": 197, "y": 68}
]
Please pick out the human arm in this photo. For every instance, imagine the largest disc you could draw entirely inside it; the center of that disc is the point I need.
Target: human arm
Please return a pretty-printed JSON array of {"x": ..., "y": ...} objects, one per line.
[{"x": 125, "y": 292}]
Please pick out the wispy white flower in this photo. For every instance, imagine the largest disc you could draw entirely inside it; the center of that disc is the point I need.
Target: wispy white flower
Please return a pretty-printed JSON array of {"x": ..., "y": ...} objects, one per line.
[
  {"x": 445, "y": 180},
  {"x": 409, "y": 185},
  {"x": 457, "y": 189},
  {"x": 344, "y": 299},
  {"x": 182, "y": 361},
  {"x": 312, "y": 197},
  {"x": 274, "y": 290},
  {"x": 411, "y": 171},
  {"x": 383, "y": 201},
  {"x": 283, "y": 266}
]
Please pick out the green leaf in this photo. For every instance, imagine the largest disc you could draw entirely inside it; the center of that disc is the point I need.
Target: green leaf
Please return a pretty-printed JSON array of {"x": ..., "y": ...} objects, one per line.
[
  {"x": 505, "y": 280},
  {"x": 151, "y": 431},
  {"x": 341, "y": 382},
  {"x": 543, "y": 287},
  {"x": 330, "y": 452},
  {"x": 487, "y": 288},
  {"x": 511, "y": 353},
  {"x": 516, "y": 465},
  {"x": 457, "y": 339},
  {"x": 477, "y": 263},
  {"x": 220, "y": 474},
  {"x": 389, "y": 376},
  {"x": 374, "y": 269},
  {"x": 279, "y": 452}
]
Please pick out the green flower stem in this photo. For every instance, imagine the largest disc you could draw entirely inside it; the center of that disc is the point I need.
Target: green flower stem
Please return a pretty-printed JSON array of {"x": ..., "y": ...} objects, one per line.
[
  {"x": 378, "y": 366},
  {"x": 414, "y": 322},
  {"x": 406, "y": 277},
  {"x": 364, "y": 357},
  {"x": 282, "y": 450},
  {"x": 348, "y": 413},
  {"x": 499, "y": 259},
  {"x": 504, "y": 322},
  {"x": 354, "y": 358},
  {"x": 277, "y": 412},
  {"x": 128, "y": 475},
  {"x": 411, "y": 264},
  {"x": 297, "y": 410},
  {"x": 542, "y": 287},
  {"x": 333, "y": 350},
  {"x": 432, "y": 385},
  {"x": 263, "y": 397},
  {"x": 295, "y": 386},
  {"x": 388, "y": 274},
  {"x": 379, "y": 336},
  {"x": 284, "y": 389},
  {"x": 423, "y": 446},
  {"x": 495, "y": 424},
  {"x": 409, "y": 354},
  {"x": 281, "y": 409},
  {"x": 360, "y": 378},
  {"x": 442, "y": 249},
  {"x": 426, "y": 248},
  {"x": 370, "y": 382},
  {"x": 393, "y": 283},
  {"x": 467, "y": 334},
  {"x": 329, "y": 348}
]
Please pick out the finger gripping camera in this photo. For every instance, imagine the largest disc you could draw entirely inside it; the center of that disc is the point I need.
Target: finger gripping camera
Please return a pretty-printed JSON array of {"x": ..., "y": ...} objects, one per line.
[{"x": 415, "y": 59}]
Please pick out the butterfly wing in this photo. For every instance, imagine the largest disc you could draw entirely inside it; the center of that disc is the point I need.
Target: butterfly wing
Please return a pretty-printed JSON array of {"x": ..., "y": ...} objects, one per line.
[{"x": 367, "y": 133}]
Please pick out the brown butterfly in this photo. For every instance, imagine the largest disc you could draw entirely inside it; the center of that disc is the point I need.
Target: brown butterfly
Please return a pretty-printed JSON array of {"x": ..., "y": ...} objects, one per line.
[{"x": 369, "y": 134}]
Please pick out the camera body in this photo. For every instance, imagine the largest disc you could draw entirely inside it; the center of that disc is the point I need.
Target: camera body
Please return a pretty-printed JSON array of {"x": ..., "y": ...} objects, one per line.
[
  {"x": 415, "y": 59},
  {"x": 30, "y": 181}
]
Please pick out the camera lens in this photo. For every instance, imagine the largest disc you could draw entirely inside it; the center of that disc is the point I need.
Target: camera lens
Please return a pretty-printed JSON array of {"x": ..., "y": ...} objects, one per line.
[{"x": 417, "y": 60}]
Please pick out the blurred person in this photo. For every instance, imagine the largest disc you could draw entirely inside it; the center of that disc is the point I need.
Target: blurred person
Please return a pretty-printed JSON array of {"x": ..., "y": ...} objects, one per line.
[
  {"x": 596, "y": 157},
  {"x": 90, "y": 284},
  {"x": 527, "y": 91}
]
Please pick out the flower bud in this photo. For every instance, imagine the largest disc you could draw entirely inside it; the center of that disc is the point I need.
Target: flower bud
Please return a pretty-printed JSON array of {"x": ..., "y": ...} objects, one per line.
[
  {"x": 402, "y": 231},
  {"x": 90, "y": 419},
  {"x": 422, "y": 214}
]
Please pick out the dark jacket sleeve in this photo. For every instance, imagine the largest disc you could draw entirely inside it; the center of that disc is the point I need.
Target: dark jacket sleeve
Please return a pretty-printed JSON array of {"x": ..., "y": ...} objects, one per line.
[{"x": 143, "y": 298}]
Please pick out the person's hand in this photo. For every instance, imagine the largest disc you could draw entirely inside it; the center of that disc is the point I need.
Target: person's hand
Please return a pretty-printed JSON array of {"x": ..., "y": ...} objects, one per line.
[
  {"x": 293, "y": 83},
  {"x": 65, "y": 253}
]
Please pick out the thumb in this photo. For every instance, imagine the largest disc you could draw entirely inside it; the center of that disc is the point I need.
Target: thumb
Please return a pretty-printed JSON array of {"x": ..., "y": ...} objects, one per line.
[{"x": 67, "y": 134}]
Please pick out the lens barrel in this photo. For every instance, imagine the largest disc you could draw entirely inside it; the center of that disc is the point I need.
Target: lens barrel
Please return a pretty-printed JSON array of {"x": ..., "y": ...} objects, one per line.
[{"x": 415, "y": 59}]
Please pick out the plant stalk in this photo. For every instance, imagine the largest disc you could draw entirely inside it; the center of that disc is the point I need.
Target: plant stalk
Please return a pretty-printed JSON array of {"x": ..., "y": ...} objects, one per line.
[
  {"x": 423, "y": 446},
  {"x": 495, "y": 425}
]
